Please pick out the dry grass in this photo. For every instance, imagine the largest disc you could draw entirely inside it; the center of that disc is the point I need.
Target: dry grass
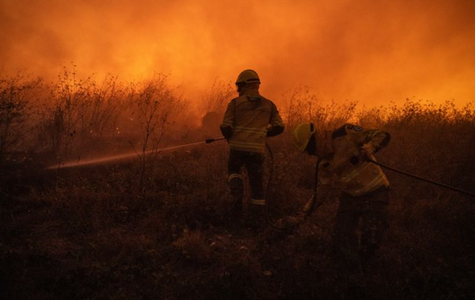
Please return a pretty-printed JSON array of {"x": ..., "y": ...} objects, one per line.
[{"x": 92, "y": 233}]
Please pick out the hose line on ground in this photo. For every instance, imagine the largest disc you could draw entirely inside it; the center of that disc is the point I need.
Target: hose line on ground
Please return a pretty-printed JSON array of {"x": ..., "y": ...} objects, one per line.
[{"x": 314, "y": 205}]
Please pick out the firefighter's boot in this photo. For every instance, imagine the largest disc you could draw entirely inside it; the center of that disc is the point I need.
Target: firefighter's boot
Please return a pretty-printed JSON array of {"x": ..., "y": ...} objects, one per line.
[{"x": 256, "y": 219}]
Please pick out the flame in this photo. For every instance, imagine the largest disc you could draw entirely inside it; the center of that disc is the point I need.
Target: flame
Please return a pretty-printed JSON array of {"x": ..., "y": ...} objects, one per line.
[{"x": 369, "y": 51}]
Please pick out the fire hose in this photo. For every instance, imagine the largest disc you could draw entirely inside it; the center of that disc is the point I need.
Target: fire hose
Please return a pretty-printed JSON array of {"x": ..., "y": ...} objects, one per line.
[
  {"x": 308, "y": 211},
  {"x": 422, "y": 178},
  {"x": 354, "y": 160},
  {"x": 314, "y": 205},
  {"x": 124, "y": 156}
]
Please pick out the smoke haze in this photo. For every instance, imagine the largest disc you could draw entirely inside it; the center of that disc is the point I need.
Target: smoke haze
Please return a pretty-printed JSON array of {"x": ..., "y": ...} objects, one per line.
[{"x": 373, "y": 52}]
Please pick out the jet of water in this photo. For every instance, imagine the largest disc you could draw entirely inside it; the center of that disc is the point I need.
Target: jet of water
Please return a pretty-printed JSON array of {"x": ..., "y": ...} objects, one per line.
[{"x": 121, "y": 157}]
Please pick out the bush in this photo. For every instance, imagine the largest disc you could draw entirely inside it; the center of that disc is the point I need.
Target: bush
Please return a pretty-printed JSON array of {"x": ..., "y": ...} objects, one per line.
[
  {"x": 14, "y": 99},
  {"x": 93, "y": 233}
]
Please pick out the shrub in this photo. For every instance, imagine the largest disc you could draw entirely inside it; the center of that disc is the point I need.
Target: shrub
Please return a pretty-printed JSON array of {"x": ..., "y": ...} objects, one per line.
[{"x": 14, "y": 101}]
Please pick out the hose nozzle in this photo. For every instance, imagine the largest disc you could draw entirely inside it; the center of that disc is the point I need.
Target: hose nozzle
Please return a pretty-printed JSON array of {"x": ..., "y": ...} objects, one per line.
[{"x": 211, "y": 140}]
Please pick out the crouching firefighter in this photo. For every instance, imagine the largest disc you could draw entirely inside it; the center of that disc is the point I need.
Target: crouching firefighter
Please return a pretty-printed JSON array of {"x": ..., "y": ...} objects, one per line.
[
  {"x": 364, "y": 196},
  {"x": 248, "y": 120}
]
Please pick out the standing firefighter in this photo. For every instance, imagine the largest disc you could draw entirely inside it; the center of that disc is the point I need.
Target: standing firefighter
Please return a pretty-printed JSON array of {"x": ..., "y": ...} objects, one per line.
[
  {"x": 364, "y": 188},
  {"x": 248, "y": 120}
]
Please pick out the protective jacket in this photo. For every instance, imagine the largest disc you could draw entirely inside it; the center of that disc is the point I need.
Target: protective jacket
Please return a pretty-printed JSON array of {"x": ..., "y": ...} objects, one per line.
[
  {"x": 248, "y": 120},
  {"x": 342, "y": 167}
]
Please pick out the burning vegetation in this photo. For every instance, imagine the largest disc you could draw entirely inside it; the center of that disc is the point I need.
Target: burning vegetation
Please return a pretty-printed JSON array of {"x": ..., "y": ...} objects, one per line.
[{"x": 157, "y": 226}]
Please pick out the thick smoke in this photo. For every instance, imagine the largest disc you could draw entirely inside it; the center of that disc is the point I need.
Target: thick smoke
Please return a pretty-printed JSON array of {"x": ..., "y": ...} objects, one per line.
[{"x": 370, "y": 51}]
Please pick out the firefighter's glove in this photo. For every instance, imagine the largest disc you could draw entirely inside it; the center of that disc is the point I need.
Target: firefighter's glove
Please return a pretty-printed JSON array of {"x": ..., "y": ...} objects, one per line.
[
  {"x": 367, "y": 150},
  {"x": 227, "y": 132},
  {"x": 364, "y": 155},
  {"x": 274, "y": 130}
]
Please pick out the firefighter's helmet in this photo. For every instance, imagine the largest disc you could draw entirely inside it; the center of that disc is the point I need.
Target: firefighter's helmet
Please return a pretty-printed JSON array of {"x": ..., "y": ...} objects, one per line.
[
  {"x": 247, "y": 76},
  {"x": 302, "y": 134}
]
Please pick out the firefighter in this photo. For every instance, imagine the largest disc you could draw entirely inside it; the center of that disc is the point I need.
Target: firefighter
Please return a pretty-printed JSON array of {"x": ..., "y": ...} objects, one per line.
[
  {"x": 364, "y": 198},
  {"x": 248, "y": 120}
]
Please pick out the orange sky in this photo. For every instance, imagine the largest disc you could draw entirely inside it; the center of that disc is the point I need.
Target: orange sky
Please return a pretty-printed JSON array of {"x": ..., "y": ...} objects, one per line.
[{"x": 373, "y": 52}]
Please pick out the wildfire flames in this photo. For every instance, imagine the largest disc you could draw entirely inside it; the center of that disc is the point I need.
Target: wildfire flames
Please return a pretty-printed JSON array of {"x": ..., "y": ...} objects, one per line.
[{"x": 368, "y": 51}]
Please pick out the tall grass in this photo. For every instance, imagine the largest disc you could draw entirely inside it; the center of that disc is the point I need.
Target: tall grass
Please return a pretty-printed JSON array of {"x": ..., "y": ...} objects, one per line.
[{"x": 93, "y": 233}]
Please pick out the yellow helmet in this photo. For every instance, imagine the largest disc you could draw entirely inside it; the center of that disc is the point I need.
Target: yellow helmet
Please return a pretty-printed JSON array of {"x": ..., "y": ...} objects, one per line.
[
  {"x": 248, "y": 76},
  {"x": 302, "y": 134}
]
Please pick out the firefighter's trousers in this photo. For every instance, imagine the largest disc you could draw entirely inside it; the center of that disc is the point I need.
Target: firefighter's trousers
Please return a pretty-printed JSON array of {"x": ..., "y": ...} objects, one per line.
[
  {"x": 369, "y": 213},
  {"x": 254, "y": 164}
]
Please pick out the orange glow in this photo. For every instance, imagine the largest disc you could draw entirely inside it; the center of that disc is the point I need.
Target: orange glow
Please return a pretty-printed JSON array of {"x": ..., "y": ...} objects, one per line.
[{"x": 373, "y": 52}]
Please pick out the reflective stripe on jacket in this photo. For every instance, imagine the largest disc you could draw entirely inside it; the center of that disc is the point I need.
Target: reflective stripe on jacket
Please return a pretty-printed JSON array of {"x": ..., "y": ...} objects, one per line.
[
  {"x": 249, "y": 117},
  {"x": 354, "y": 177}
]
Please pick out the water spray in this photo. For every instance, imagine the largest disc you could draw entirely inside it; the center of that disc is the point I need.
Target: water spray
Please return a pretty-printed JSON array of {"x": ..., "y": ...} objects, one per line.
[{"x": 125, "y": 156}]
